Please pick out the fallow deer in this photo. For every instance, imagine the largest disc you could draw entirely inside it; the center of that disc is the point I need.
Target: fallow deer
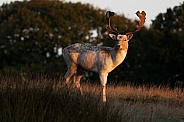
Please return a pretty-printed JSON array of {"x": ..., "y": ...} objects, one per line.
[{"x": 102, "y": 60}]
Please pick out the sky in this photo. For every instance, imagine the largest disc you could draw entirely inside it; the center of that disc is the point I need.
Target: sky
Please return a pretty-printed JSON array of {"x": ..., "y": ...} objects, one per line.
[{"x": 129, "y": 7}]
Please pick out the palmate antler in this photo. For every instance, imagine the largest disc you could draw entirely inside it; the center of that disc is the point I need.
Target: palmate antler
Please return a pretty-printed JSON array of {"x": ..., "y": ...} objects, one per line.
[
  {"x": 109, "y": 14},
  {"x": 142, "y": 17}
]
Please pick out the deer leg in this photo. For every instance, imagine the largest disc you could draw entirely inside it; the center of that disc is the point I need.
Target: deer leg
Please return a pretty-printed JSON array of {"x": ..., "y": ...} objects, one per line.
[
  {"x": 69, "y": 74},
  {"x": 103, "y": 79},
  {"x": 77, "y": 78}
]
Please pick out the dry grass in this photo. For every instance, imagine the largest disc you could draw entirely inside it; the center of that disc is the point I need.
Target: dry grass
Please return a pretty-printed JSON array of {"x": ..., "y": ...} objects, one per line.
[
  {"x": 145, "y": 104},
  {"x": 46, "y": 99}
]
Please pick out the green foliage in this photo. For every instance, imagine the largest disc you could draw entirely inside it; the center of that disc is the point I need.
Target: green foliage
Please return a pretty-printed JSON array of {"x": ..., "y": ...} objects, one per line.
[
  {"x": 169, "y": 44},
  {"x": 156, "y": 54},
  {"x": 34, "y": 32}
]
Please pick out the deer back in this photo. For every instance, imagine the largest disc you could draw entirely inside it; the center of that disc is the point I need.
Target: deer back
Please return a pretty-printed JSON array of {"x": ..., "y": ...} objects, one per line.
[{"x": 94, "y": 58}]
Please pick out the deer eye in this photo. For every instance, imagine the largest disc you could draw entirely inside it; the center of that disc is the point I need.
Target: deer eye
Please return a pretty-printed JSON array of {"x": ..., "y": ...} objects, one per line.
[{"x": 120, "y": 37}]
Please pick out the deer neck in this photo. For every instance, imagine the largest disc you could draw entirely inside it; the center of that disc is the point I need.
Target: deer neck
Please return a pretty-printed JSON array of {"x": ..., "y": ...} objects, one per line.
[{"x": 119, "y": 54}]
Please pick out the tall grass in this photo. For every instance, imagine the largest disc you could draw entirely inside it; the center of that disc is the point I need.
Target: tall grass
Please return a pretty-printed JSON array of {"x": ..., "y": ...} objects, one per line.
[{"x": 46, "y": 99}]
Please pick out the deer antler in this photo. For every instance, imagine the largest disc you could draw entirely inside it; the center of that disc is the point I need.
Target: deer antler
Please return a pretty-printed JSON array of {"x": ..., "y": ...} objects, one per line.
[
  {"x": 109, "y": 14},
  {"x": 142, "y": 17}
]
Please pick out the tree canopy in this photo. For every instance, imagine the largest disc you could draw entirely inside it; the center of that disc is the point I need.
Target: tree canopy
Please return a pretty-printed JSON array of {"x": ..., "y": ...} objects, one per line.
[{"x": 33, "y": 33}]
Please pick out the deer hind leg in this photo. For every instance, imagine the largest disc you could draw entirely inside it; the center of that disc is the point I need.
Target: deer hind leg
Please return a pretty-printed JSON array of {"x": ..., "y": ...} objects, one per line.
[
  {"x": 77, "y": 77},
  {"x": 71, "y": 70},
  {"x": 103, "y": 79}
]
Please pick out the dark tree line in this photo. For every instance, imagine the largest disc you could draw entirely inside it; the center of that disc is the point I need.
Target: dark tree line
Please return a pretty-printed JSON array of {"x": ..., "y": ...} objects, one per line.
[{"x": 33, "y": 33}]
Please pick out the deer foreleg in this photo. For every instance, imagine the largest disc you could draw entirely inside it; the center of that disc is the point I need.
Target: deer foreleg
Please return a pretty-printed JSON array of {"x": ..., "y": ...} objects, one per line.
[{"x": 103, "y": 79}]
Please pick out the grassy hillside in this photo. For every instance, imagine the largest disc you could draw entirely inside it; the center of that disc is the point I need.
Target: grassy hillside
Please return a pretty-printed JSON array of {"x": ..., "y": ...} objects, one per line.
[{"x": 46, "y": 99}]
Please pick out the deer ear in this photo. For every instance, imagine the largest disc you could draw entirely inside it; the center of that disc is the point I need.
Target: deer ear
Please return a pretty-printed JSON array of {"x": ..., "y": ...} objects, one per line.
[
  {"x": 113, "y": 36},
  {"x": 129, "y": 36}
]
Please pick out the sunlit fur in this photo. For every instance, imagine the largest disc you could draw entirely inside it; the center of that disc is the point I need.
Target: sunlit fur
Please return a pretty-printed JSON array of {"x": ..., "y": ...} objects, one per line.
[{"x": 99, "y": 59}]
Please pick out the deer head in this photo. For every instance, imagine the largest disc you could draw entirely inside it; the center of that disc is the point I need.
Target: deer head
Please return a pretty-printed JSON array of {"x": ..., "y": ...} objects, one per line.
[{"x": 114, "y": 34}]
